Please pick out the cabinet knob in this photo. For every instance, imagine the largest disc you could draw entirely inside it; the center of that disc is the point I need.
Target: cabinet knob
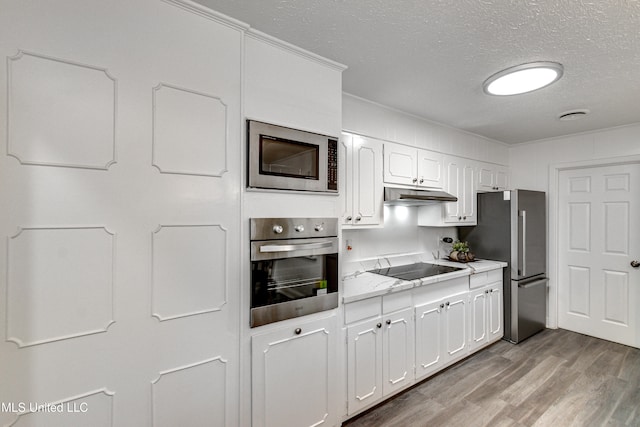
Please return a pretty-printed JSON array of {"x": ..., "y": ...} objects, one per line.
[
  {"x": 298, "y": 331},
  {"x": 388, "y": 321},
  {"x": 459, "y": 218},
  {"x": 358, "y": 218},
  {"x": 415, "y": 180},
  {"x": 486, "y": 292},
  {"x": 379, "y": 325},
  {"x": 421, "y": 180},
  {"x": 349, "y": 218},
  {"x": 635, "y": 264},
  {"x": 448, "y": 304},
  {"x": 441, "y": 305}
]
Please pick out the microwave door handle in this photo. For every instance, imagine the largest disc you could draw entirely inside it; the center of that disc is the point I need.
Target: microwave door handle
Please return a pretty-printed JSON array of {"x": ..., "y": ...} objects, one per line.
[{"x": 298, "y": 247}]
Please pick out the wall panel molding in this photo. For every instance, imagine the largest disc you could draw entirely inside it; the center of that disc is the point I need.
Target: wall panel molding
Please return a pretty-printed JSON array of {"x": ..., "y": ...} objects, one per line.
[
  {"x": 60, "y": 112},
  {"x": 180, "y": 394},
  {"x": 99, "y": 416},
  {"x": 194, "y": 283},
  {"x": 59, "y": 283},
  {"x": 190, "y": 132}
]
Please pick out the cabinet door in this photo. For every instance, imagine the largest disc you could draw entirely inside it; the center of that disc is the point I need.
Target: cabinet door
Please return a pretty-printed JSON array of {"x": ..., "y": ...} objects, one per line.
[
  {"x": 467, "y": 194},
  {"x": 293, "y": 375},
  {"x": 492, "y": 177},
  {"x": 502, "y": 178},
  {"x": 430, "y": 169},
  {"x": 486, "y": 177},
  {"x": 364, "y": 364},
  {"x": 495, "y": 315},
  {"x": 452, "y": 186},
  {"x": 345, "y": 162},
  {"x": 455, "y": 326},
  {"x": 400, "y": 163},
  {"x": 367, "y": 181},
  {"x": 397, "y": 351},
  {"x": 478, "y": 316},
  {"x": 429, "y": 327}
]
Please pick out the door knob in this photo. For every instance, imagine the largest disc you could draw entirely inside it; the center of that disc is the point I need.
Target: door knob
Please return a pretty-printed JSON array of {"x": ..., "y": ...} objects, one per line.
[{"x": 635, "y": 264}]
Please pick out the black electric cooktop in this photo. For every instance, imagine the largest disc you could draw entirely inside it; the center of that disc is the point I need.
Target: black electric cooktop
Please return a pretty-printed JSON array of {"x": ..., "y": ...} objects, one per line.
[{"x": 415, "y": 271}]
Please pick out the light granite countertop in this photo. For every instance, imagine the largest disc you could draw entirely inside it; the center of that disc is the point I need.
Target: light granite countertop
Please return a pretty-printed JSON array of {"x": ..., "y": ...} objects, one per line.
[{"x": 359, "y": 284}]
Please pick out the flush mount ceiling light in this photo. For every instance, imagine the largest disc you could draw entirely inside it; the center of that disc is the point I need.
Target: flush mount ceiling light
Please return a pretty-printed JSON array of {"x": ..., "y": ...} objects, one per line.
[{"x": 523, "y": 78}]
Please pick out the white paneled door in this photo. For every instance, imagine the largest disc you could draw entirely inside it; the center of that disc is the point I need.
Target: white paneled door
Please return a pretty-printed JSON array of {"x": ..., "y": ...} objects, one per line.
[
  {"x": 599, "y": 234},
  {"x": 119, "y": 214}
]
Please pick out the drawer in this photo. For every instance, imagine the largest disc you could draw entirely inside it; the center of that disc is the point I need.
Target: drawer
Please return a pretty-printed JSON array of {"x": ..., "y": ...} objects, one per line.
[
  {"x": 478, "y": 280},
  {"x": 437, "y": 291},
  {"x": 364, "y": 309},
  {"x": 396, "y": 301}
]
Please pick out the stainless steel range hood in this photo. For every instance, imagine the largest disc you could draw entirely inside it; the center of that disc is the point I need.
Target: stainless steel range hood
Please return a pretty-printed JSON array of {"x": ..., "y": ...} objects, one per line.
[{"x": 402, "y": 196}]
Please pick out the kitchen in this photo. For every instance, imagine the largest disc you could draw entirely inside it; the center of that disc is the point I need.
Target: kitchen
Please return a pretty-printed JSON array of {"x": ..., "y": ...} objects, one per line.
[{"x": 146, "y": 215}]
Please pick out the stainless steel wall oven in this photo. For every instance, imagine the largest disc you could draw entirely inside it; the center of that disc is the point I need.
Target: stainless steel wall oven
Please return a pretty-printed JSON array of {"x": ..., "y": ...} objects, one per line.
[{"x": 294, "y": 267}]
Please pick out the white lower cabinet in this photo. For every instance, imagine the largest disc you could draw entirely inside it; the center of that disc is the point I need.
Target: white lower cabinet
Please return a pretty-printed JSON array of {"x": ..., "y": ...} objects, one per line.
[
  {"x": 364, "y": 364},
  {"x": 400, "y": 338},
  {"x": 440, "y": 334},
  {"x": 397, "y": 351},
  {"x": 485, "y": 313},
  {"x": 380, "y": 357},
  {"x": 294, "y": 375}
]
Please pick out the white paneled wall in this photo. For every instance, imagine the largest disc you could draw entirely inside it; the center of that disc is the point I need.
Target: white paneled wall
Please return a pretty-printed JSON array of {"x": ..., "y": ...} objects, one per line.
[
  {"x": 370, "y": 119},
  {"x": 120, "y": 213}
]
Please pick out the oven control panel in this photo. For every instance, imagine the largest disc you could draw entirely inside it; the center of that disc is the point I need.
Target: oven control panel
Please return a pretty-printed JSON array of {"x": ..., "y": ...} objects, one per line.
[{"x": 293, "y": 228}]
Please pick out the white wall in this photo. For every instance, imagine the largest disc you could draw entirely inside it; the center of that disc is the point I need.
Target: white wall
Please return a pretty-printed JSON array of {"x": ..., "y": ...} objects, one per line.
[
  {"x": 530, "y": 162},
  {"x": 370, "y": 119},
  {"x": 400, "y": 235},
  {"x": 535, "y": 164}
]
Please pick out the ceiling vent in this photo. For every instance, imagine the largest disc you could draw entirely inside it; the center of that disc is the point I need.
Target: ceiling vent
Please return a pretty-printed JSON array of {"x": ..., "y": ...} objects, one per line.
[{"x": 572, "y": 115}]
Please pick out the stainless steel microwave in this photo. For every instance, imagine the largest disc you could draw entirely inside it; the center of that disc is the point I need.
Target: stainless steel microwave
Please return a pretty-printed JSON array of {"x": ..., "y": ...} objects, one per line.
[{"x": 288, "y": 159}]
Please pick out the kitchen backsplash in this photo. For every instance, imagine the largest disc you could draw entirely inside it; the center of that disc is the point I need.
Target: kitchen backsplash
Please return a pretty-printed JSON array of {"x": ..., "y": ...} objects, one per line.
[{"x": 400, "y": 235}]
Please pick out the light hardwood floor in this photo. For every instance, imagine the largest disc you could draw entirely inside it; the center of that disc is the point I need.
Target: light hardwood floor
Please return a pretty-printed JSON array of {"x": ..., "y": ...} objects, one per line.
[{"x": 555, "y": 378}]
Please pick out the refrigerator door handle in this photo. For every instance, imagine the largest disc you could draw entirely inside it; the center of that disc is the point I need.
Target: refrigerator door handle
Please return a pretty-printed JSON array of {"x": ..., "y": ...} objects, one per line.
[
  {"x": 523, "y": 214},
  {"x": 532, "y": 284}
]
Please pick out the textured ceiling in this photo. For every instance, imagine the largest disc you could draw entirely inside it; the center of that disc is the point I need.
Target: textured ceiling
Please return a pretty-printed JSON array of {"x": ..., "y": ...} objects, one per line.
[{"x": 430, "y": 57}]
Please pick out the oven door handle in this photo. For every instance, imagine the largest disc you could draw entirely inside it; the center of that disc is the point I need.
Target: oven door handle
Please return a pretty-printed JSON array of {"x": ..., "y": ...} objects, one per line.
[{"x": 297, "y": 247}]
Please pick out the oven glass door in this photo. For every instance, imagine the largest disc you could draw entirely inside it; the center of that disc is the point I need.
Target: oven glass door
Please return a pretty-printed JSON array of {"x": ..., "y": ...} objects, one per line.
[
  {"x": 281, "y": 280},
  {"x": 282, "y": 157}
]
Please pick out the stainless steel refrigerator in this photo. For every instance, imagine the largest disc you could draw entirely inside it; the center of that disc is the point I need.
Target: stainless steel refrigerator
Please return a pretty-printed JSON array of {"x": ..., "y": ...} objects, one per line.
[{"x": 512, "y": 228}]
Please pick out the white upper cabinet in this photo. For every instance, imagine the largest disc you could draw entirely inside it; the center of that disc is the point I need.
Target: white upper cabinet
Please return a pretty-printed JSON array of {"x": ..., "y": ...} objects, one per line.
[
  {"x": 460, "y": 181},
  {"x": 412, "y": 166},
  {"x": 492, "y": 177},
  {"x": 361, "y": 170}
]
